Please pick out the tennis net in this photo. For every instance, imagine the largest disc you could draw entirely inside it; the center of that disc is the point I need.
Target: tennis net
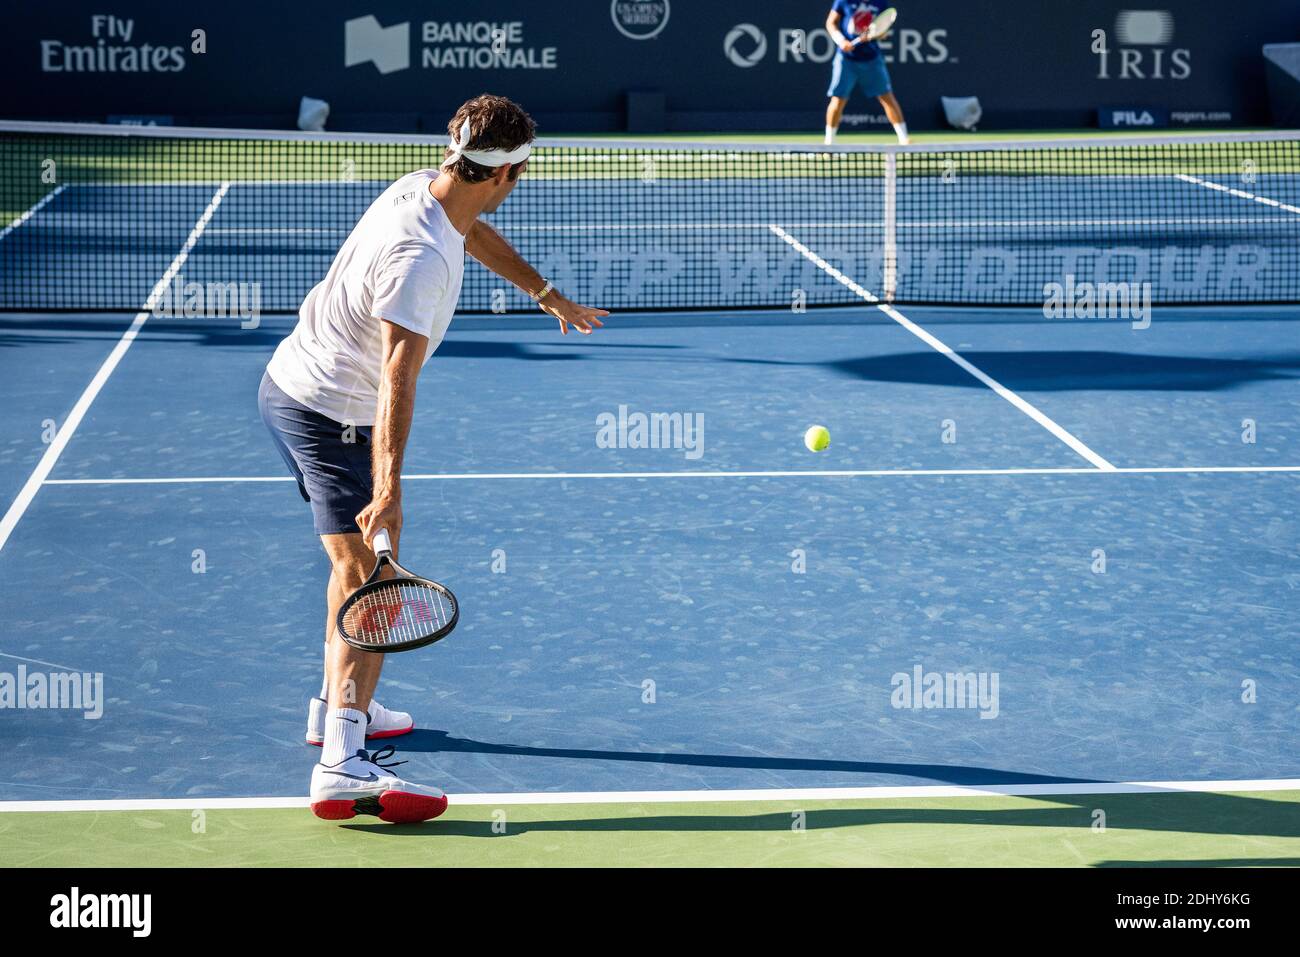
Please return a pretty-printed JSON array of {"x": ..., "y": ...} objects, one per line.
[{"x": 91, "y": 218}]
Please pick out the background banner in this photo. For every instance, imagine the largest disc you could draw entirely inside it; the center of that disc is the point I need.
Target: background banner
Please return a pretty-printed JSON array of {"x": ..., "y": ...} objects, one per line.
[{"x": 405, "y": 65}]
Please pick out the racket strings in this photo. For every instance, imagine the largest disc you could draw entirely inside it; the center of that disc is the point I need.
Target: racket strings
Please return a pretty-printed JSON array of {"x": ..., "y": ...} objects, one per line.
[{"x": 397, "y": 612}]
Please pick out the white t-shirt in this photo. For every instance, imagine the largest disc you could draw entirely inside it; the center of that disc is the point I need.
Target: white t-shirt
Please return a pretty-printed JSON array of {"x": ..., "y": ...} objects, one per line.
[{"x": 402, "y": 262}]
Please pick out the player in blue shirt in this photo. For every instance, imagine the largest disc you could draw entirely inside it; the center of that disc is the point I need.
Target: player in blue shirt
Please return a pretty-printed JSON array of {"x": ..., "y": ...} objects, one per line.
[{"x": 858, "y": 66}]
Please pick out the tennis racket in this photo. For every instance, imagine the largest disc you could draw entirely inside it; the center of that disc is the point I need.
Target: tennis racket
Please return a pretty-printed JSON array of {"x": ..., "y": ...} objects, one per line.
[
  {"x": 879, "y": 26},
  {"x": 399, "y": 613}
]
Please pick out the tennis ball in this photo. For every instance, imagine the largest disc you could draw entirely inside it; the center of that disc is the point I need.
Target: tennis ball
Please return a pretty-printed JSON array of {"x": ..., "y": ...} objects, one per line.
[{"x": 816, "y": 438}]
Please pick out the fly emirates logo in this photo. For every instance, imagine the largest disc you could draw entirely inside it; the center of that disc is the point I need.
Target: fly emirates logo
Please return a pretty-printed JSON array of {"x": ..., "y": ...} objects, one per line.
[{"x": 115, "y": 45}]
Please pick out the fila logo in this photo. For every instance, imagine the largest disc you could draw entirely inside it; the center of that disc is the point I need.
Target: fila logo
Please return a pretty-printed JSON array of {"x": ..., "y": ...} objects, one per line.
[{"x": 1132, "y": 118}]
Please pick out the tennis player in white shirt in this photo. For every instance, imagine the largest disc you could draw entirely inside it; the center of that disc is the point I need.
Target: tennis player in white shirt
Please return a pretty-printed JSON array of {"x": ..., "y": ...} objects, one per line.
[{"x": 339, "y": 394}]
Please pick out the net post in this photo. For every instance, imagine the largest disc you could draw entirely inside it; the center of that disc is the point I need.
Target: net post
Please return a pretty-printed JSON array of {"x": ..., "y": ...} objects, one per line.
[{"x": 890, "y": 276}]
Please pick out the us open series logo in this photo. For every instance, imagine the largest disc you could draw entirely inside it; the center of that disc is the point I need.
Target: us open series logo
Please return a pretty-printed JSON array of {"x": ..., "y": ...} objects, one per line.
[{"x": 640, "y": 19}]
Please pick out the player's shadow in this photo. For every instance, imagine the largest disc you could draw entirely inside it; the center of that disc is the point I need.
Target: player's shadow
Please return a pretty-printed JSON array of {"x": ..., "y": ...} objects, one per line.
[
  {"x": 474, "y": 349},
  {"x": 440, "y": 742},
  {"x": 1154, "y": 811},
  {"x": 572, "y": 350},
  {"x": 1059, "y": 371},
  {"x": 1223, "y": 862},
  {"x": 47, "y": 330},
  {"x": 1149, "y": 810}
]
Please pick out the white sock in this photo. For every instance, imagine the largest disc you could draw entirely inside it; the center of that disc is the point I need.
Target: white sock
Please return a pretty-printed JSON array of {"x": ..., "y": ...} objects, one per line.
[
  {"x": 325, "y": 696},
  {"x": 901, "y": 130},
  {"x": 830, "y": 135},
  {"x": 345, "y": 735}
]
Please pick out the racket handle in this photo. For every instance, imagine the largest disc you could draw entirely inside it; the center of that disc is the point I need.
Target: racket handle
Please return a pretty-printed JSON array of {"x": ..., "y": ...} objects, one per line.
[{"x": 383, "y": 544}]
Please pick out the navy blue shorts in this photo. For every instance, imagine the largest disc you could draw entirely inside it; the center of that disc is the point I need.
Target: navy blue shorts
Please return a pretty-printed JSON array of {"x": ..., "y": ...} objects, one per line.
[
  {"x": 333, "y": 474},
  {"x": 871, "y": 75}
]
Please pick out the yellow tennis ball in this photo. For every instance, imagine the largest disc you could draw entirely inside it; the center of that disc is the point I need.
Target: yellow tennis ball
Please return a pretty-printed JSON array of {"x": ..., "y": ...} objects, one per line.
[{"x": 816, "y": 438}]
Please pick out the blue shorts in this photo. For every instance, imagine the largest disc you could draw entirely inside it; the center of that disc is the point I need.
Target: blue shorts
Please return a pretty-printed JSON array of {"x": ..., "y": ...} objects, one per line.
[
  {"x": 870, "y": 75},
  {"x": 333, "y": 474}
]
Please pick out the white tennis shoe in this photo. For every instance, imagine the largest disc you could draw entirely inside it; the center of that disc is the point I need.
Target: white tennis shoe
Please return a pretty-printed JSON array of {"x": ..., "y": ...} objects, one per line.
[
  {"x": 362, "y": 784},
  {"x": 383, "y": 723}
]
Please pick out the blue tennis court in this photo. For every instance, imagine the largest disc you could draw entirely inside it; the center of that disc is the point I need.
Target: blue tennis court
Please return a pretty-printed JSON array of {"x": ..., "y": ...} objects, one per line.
[
  {"x": 586, "y": 572},
  {"x": 1047, "y": 555}
]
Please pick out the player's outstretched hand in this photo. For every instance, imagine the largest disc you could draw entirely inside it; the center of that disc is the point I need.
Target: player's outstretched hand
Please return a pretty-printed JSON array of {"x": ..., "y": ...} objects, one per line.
[{"x": 570, "y": 313}]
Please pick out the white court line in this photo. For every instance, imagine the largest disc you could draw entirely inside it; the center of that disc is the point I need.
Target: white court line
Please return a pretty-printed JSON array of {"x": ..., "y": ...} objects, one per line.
[
  {"x": 1239, "y": 193},
  {"x": 69, "y": 427},
  {"x": 31, "y": 212},
  {"x": 944, "y": 350},
  {"x": 825, "y": 473},
  {"x": 902, "y": 224},
  {"x": 1075, "y": 223},
  {"x": 875, "y": 225},
  {"x": 37, "y": 661},
  {"x": 881, "y": 793}
]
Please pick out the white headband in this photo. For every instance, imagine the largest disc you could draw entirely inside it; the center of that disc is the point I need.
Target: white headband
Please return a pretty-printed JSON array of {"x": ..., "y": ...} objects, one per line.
[{"x": 492, "y": 158}]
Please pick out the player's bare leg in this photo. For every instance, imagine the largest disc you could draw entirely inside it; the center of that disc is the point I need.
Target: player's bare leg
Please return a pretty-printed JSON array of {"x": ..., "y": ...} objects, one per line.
[
  {"x": 384, "y": 722},
  {"x": 894, "y": 113},
  {"x": 350, "y": 780},
  {"x": 351, "y": 674},
  {"x": 834, "y": 113},
  {"x": 334, "y": 597}
]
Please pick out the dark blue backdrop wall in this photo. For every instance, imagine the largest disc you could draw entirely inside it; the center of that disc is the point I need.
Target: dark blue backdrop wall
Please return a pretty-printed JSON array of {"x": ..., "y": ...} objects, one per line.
[{"x": 405, "y": 64}]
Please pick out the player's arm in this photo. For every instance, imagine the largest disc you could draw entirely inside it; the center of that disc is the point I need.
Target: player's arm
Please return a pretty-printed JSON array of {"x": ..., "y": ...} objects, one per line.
[
  {"x": 403, "y": 356},
  {"x": 491, "y": 249},
  {"x": 833, "y": 28}
]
